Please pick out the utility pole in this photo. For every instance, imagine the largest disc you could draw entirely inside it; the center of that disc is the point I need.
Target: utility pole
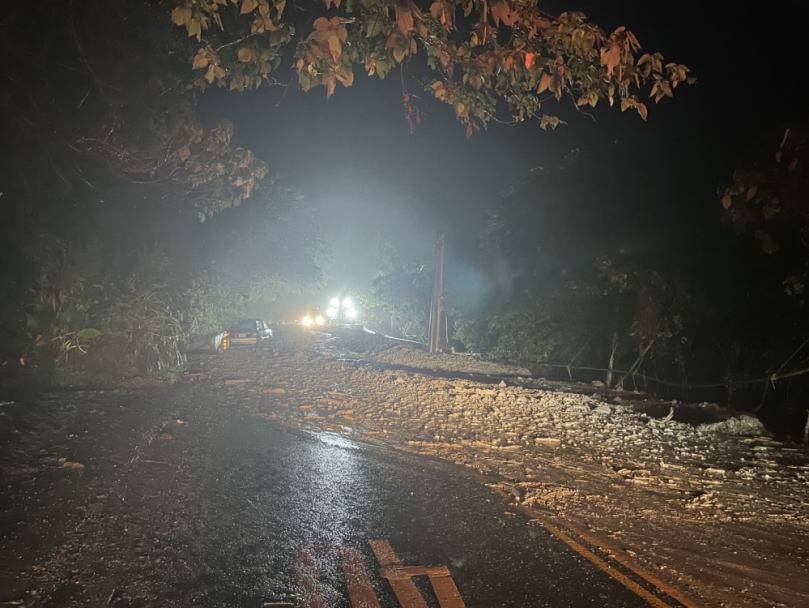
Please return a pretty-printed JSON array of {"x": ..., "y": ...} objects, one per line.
[{"x": 438, "y": 281}]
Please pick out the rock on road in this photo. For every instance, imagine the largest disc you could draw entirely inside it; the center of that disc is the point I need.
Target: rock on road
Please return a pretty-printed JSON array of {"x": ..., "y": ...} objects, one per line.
[{"x": 253, "y": 483}]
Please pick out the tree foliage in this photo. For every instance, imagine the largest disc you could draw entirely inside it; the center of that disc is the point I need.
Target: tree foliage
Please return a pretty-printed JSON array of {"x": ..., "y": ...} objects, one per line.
[
  {"x": 199, "y": 165},
  {"x": 561, "y": 292},
  {"x": 479, "y": 53},
  {"x": 138, "y": 311},
  {"x": 129, "y": 308},
  {"x": 403, "y": 289},
  {"x": 770, "y": 201},
  {"x": 123, "y": 111},
  {"x": 517, "y": 331},
  {"x": 102, "y": 154},
  {"x": 270, "y": 247}
]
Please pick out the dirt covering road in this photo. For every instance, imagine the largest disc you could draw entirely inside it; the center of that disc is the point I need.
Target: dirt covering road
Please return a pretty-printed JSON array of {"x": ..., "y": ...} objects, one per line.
[
  {"x": 711, "y": 518},
  {"x": 724, "y": 518}
]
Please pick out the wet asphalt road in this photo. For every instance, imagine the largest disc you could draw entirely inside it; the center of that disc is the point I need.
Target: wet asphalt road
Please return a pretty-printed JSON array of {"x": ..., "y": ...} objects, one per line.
[
  {"x": 319, "y": 492},
  {"x": 189, "y": 497},
  {"x": 214, "y": 512}
]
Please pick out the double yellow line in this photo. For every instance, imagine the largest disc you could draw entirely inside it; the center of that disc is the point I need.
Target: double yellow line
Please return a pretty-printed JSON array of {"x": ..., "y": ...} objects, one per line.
[
  {"x": 617, "y": 575},
  {"x": 400, "y": 577}
]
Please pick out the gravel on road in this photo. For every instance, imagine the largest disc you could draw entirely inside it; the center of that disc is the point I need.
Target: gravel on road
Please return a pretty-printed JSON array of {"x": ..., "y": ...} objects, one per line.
[{"x": 724, "y": 516}]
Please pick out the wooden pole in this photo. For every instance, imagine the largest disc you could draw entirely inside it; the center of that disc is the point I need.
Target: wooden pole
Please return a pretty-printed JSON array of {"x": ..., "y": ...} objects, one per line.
[{"x": 435, "y": 308}]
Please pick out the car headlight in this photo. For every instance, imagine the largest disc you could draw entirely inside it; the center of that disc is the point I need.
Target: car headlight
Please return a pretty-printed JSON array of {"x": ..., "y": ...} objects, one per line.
[
  {"x": 335, "y": 302},
  {"x": 307, "y": 321},
  {"x": 351, "y": 313},
  {"x": 320, "y": 320},
  {"x": 332, "y": 312}
]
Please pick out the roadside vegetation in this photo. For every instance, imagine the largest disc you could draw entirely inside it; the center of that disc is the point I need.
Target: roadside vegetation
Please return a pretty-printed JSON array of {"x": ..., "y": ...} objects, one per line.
[
  {"x": 569, "y": 293},
  {"x": 139, "y": 225},
  {"x": 135, "y": 230}
]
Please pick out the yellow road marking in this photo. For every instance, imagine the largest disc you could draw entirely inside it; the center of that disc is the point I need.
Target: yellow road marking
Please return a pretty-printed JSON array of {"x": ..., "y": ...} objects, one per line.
[
  {"x": 668, "y": 589},
  {"x": 361, "y": 592},
  {"x": 360, "y": 589},
  {"x": 401, "y": 579},
  {"x": 401, "y": 583},
  {"x": 441, "y": 580},
  {"x": 425, "y": 570},
  {"x": 311, "y": 592},
  {"x": 384, "y": 553},
  {"x": 445, "y": 590},
  {"x": 618, "y": 576}
]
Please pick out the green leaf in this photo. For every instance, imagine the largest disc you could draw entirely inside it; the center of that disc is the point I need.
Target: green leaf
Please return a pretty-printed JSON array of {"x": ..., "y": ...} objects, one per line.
[
  {"x": 375, "y": 27},
  {"x": 88, "y": 333}
]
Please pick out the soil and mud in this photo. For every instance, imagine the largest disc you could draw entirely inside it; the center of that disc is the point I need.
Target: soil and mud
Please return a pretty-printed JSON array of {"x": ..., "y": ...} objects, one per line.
[{"x": 142, "y": 497}]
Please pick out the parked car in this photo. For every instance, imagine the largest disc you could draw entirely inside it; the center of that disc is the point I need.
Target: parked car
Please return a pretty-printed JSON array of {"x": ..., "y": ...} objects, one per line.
[{"x": 248, "y": 331}]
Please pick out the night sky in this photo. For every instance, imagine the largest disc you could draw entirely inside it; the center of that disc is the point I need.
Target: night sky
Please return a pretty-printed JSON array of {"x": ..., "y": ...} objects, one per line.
[{"x": 355, "y": 159}]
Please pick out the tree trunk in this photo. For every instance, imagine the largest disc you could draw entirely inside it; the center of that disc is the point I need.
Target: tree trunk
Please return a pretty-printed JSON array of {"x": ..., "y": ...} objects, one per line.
[
  {"x": 612, "y": 359},
  {"x": 764, "y": 398}
]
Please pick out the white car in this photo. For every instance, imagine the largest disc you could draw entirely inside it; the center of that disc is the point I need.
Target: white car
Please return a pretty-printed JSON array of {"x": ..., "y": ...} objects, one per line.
[{"x": 249, "y": 331}]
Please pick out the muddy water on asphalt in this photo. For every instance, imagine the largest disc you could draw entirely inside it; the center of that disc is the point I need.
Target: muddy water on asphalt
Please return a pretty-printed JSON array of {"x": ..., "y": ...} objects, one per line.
[
  {"x": 41, "y": 501},
  {"x": 214, "y": 514}
]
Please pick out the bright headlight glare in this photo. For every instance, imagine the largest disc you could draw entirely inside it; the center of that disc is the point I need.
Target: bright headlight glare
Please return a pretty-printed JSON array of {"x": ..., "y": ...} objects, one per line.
[
  {"x": 307, "y": 320},
  {"x": 335, "y": 302},
  {"x": 347, "y": 303},
  {"x": 320, "y": 320},
  {"x": 351, "y": 313},
  {"x": 331, "y": 312}
]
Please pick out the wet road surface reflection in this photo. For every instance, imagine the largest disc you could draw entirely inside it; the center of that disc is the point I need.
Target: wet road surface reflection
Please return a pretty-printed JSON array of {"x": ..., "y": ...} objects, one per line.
[
  {"x": 270, "y": 493},
  {"x": 230, "y": 508}
]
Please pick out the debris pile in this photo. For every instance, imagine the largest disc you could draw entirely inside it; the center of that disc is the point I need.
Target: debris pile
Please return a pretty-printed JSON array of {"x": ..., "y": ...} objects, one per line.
[
  {"x": 378, "y": 349},
  {"x": 623, "y": 472}
]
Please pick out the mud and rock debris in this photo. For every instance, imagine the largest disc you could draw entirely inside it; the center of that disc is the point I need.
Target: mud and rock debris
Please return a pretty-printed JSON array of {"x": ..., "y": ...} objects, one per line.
[{"x": 681, "y": 488}]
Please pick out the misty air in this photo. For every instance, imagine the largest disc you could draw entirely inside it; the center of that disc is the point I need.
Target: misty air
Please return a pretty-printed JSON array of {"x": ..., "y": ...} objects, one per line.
[{"x": 403, "y": 304}]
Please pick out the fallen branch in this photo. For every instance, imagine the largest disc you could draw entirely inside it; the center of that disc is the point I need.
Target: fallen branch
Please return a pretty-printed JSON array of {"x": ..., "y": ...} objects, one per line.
[{"x": 636, "y": 364}]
